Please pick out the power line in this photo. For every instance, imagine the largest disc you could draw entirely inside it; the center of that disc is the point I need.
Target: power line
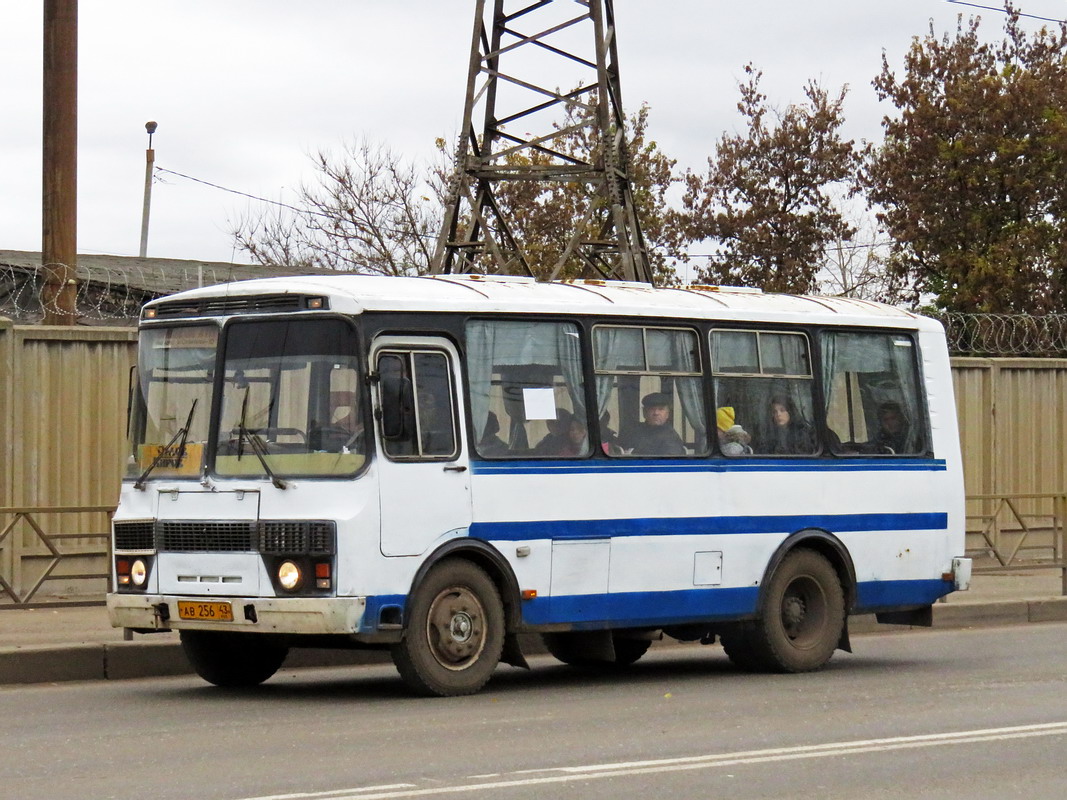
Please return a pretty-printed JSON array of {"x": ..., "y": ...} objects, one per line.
[
  {"x": 235, "y": 191},
  {"x": 1005, "y": 11}
]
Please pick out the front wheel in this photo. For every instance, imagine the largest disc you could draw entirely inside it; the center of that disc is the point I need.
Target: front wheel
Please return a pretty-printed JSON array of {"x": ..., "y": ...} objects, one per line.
[
  {"x": 802, "y": 618},
  {"x": 232, "y": 659},
  {"x": 455, "y": 632}
]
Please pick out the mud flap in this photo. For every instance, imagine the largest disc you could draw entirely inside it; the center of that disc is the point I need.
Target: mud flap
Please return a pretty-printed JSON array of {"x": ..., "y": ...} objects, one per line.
[
  {"x": 843, "y": 643},
  {"x": 512, "y": 652}
]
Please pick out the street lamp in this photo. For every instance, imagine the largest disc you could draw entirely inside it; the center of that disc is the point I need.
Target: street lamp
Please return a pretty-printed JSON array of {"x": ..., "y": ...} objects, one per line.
[{"x": 150, "y": 160}]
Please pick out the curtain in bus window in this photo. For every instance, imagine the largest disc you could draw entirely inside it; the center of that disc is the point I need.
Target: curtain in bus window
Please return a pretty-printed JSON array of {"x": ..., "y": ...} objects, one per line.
[
  {"x": 616, "y": 349},
  {"x": 872, "y": 398},
  {"x": 735, "y": 351},
  {"x": 676, "y": 351},
  {"x": 517, "y": 365},
  {"x": 784, "y": 354}
]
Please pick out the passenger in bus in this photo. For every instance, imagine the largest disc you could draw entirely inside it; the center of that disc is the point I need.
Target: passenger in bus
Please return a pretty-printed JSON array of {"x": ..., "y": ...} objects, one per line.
[
  {"x": 656, "y": 435},
  {"x": 789, "y": 433},
  {"x": 892, "y": 436},
  {"x": 577, "y": 439},
  {"x": 609, "y": 439},
  {"x": 491, "y": 445},
  {"x": 733, "y": 439},
  {"x": 555, "y": 441}
]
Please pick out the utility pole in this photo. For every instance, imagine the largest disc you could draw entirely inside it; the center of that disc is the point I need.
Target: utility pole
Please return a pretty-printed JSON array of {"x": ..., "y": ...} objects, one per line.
[
  {"x": 149, "y": 166},
  {"x": 515, "y": 120},
  {"x": 59, "y": 209}
]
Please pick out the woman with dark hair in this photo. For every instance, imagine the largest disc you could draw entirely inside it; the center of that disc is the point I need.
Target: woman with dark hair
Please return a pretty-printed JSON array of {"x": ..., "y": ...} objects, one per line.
[{"x": 788, "y": 433}]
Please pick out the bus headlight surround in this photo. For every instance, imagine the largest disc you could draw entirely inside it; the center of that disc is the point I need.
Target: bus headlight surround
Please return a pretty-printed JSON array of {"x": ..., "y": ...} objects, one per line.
[
  {"x": 290, "y": 577},
  {"x": 138, "y": 573}
]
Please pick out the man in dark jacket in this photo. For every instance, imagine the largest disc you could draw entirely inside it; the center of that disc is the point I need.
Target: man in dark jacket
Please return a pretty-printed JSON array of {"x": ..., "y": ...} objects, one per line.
[{"x": 656, "y": 436}]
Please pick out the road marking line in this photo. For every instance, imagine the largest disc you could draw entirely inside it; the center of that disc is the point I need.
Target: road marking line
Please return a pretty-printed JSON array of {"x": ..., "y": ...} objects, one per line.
[
  {"x": 334, "y": 794},
  {"x": 629, "y": 768}
]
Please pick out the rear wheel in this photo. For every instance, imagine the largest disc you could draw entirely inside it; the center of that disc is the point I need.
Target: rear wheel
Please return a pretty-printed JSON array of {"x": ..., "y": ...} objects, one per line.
[
  {"x": 455, "y": 631},
  {"x": 232, "y": 659},
  {"x": 802, "y": 618}
]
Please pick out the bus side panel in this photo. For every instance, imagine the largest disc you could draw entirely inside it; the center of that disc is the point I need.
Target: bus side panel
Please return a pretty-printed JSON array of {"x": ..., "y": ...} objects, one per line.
[{"x": 690, "y": 540}]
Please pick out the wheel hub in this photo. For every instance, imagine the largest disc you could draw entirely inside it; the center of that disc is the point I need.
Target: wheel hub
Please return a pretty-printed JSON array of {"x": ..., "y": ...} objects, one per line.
[
  {"x": 462, "y": 626},
  {"x": 455, "y": 628},
  {"x": 793, "y": 611}
]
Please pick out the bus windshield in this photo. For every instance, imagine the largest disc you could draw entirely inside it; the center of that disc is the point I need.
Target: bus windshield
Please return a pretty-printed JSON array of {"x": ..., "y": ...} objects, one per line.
[
  {"x": 171, "y": 406},
  {"x": 290, "y": 400}
]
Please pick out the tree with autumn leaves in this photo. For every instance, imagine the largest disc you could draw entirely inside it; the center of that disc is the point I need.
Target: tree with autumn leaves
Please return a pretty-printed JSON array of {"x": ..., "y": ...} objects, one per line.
[
  {"x": 767, "y": 199},
  {"x": 972, "y": 176}
]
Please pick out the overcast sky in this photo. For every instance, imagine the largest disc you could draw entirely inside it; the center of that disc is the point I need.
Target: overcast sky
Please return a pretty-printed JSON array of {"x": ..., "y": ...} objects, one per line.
[{"x": 243, "y": 90}]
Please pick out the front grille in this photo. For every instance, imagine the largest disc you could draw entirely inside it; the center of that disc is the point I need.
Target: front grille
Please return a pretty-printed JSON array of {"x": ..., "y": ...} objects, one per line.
[
  {"x": 206, "y": 537},
  {"x": 135, "y": 535},
  {"x": 223, "y": 306},
  {"x": 296, "y": 536},
  {"x": 275, "y": 537}
]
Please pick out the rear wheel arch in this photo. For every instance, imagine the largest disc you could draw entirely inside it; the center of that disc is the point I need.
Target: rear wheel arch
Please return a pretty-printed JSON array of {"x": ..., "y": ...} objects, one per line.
[{"x": 828, "y": 546}]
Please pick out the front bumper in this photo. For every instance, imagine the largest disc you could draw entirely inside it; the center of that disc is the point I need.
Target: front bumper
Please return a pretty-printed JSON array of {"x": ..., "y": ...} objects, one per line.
[{"x": 288, "y": 615}]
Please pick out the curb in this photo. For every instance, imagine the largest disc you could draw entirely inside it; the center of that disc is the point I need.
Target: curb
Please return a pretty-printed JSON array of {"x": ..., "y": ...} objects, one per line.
[{"x": 148, "y": 659}]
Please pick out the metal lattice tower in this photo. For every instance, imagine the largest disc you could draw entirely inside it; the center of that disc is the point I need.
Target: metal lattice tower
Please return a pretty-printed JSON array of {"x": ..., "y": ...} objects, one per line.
[{"x": 517, "y": 127}]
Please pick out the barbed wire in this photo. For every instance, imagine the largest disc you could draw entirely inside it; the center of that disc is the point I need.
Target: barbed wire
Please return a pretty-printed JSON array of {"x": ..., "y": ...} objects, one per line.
[
  {"x": 102, "y": 293},
  {"x": 1005, "y": 334}
]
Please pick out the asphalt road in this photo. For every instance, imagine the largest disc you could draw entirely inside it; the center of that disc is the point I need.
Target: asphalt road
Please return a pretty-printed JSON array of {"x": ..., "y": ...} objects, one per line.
[{"x": 939, "y": 714}]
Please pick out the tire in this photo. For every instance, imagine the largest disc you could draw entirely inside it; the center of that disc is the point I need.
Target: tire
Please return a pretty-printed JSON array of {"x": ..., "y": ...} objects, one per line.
[
  {"x": 628, "y": 651},
  {"x": 455, "y": 632},
  {"x": 570, "y": 648},
  {"x": 232, "y": 659},
  {"x": 737, "y": 642},
  {"x": 802, "y": 617}
]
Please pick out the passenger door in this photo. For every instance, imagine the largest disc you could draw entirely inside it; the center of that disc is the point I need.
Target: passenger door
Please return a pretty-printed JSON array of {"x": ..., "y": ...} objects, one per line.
[{"x": 423, "y": 467}]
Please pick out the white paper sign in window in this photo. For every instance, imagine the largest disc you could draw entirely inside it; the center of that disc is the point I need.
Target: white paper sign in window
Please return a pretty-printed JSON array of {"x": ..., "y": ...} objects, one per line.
[{"x": 539, "y": 403}]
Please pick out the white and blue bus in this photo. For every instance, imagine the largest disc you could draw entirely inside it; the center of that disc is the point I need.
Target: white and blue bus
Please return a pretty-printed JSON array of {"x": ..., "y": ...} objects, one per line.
[{"x": 437, "y": 465}]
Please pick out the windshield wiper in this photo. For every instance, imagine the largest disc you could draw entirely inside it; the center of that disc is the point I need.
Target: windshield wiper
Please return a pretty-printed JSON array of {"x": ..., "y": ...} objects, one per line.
[
  {"x": 259, "y": 449},
  {"x": 180, "y": 437}
]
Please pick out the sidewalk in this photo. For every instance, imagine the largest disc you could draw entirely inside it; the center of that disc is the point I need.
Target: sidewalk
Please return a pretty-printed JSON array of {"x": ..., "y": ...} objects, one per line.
[{"x": 64, "y": 644}]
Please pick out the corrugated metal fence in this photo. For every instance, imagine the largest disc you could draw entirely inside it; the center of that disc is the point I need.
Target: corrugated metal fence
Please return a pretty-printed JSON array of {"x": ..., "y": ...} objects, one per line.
[{"x": 63, "y": 394}]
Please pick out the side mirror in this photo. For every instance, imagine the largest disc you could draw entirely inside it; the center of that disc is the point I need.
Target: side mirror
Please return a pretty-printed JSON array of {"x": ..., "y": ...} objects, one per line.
[{"x": 398, "y": 406}]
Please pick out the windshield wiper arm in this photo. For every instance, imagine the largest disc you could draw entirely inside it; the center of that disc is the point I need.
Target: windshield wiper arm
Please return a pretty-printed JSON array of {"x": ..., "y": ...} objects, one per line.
[
  {"x": 259, "y": 449},
  {"x": 181, "y": 434}
]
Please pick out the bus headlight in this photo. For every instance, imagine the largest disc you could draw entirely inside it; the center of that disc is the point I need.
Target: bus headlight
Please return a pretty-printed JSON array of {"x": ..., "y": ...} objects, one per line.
[
  {"x": 138, "y": 573},
  {"x": 289, "y": 576}
]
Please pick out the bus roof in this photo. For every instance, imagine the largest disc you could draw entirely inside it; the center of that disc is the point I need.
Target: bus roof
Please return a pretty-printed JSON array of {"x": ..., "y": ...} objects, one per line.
[{"x": 479, "y": 294}]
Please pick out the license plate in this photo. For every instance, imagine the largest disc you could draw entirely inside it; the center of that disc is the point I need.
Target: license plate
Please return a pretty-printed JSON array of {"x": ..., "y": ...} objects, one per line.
[{"x": 213, "y": 612}]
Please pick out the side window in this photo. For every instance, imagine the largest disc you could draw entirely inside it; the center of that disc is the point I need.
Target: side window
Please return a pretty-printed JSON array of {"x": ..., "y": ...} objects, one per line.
[
  {"x": 527, "y": 396},
  {"x": 872, "y": 394},
  {"x": 763, "y": 393},
  {"x": 649, "y": 393},
  {"x": 418, "y": 416}
]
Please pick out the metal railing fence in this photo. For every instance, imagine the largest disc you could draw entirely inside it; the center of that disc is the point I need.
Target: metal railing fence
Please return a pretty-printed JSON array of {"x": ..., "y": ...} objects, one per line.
[
  {"x": 19, "y": 589},
  {"x": 1024, "y": 531}
]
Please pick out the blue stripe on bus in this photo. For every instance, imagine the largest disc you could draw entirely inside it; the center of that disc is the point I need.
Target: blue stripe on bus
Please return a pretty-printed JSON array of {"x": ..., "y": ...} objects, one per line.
[
  {"x": 591, "y": 466},
  {"x": 681, "y": 526},
  {"x": 633, "y": 609},
  {"x": 637, "y": 609},
  {"x": 887, "y": 594}
]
